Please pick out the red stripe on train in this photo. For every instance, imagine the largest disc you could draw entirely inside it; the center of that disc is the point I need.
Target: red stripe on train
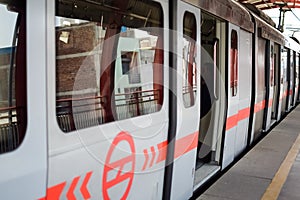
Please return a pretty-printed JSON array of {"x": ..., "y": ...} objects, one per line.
[
  {"x": 186, "y": 144},
  {"x": 182, "y": 146},
  {"x": 233, "y": 120},
  {"x": 259, "y": 106},
  {"x": 55, "y": 191},
  {"x": 162, "y": 154}
]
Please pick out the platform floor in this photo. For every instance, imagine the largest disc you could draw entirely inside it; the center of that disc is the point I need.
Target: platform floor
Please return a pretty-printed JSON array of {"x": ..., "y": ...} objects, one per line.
[{"x": 271, "y": 170}]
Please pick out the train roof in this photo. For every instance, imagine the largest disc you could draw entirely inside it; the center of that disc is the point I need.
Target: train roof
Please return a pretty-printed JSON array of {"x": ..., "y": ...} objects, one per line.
[
  {"x": 228, "y": 10},
  {"x": 267, "y": 31},
  {"x": 259, "y": 13}
]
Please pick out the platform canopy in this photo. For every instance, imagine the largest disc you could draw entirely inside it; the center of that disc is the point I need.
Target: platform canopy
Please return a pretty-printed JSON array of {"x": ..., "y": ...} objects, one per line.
[{"x": 269, "y": 4}]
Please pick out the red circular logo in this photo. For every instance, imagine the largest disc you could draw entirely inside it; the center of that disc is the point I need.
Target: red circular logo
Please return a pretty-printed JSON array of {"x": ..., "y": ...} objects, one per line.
[{"x": 117, "y": 164}]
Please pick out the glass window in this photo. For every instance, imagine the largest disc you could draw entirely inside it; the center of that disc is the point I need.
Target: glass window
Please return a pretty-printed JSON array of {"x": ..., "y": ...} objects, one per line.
[
  {"x": 234, "y": 63},
  {"x": 109, "y": 61},
  {"x": 13, "y": 114},
  {"x": 189, "y": 51},
  {"x": 284, "y": 55}
]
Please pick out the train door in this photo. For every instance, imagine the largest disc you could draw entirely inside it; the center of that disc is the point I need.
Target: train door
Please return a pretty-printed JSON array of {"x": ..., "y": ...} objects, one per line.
[
  {"x": 260, "y": 89},
  {"x": 244, "y": 90},
  {"x": 278, "y": 89},
  {"x": 296, "y": 78},
  {"x": 291, "y": 81},
  {"x": 107, "y": 105},
  {"x": 284, "y": 79},
  {"x": 233, "y": 94},
  {"x": 188, "y": 61},
  {"x": 23, "y": 126},
  {"x": 270, "y": 84},
  {"x": 212, "y": 97},
  {"x": 298, "y": 68}
]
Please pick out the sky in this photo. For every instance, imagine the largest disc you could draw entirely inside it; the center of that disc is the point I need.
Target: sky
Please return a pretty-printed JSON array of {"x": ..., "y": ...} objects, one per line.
[
  {"x": 7, "y": 26},
  {"x": 291, "y": 21}
]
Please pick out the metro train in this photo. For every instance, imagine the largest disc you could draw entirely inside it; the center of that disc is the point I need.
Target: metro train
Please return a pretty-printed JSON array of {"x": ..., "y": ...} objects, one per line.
[{"x": 135, "y": 99}]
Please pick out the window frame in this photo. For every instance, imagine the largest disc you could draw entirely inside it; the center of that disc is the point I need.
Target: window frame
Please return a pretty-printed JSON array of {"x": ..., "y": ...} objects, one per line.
[{"x": 234, "y": 63}]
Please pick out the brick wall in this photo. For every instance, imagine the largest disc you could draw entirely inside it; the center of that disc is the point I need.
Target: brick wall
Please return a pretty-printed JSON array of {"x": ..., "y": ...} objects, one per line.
[{"x": 75, "y": 58}]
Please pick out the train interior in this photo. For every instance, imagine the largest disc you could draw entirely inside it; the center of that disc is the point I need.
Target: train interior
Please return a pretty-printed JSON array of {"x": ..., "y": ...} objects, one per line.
[{"x": 212, "y": 111}]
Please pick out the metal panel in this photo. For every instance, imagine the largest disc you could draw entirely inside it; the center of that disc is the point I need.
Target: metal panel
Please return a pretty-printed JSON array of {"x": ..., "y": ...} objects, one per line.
[
  {"x": 260, "y": 89},
  {"x": 269, "y": 84},
  {"x": 245, "y": 86},
  {"x": 233, "y": 104},
  {"x": 290, "y": 79},
  {"x": 284, "y": 80},
  {"x": 25, "y": 168},
  {"x": 188, "y": 118},
  {"x": 89, "y": 164}
]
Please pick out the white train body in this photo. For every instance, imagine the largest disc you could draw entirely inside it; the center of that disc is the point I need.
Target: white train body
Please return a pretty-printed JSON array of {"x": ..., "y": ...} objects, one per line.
[{"x": 134, "y": 99}]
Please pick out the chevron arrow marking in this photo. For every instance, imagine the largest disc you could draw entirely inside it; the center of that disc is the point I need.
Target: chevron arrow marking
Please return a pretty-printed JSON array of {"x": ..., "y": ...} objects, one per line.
[
  {"x": 70, "y": 194},
  {"x": 153, "y": 156},
  {"x": 83, "y": 189}
]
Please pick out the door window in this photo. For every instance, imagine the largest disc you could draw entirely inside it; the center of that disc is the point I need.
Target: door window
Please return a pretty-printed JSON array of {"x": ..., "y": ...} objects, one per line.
[
  {"x": 13, "y": 112},
  {"x": 234, "y": 63},
  {"x": 189, "y": 67}
]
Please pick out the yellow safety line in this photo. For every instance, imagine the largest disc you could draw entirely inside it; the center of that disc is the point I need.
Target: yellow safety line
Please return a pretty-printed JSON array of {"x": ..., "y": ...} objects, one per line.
[{"x": 280, "y": 177}]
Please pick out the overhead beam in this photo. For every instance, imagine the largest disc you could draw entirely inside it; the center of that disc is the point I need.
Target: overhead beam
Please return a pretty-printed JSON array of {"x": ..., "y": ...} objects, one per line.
[{"x": 268, "y": 4}]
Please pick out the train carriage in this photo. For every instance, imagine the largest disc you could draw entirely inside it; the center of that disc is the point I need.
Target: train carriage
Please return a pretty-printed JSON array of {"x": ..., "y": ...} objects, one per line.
[
  {"x": 265, "y": 92},
  {"x": 134, "y": 99},
  {"x": 292, "y": 71}
]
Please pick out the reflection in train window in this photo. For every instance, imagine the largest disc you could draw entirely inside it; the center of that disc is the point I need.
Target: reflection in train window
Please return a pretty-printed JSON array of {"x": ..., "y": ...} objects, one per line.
[
  {"x": 109, "y": 59},
  {"x": 234, "y": 63},
  {"x": 13, "y": 105},
  {"x": 135, "y": 93},
  {"x": 189, "y": 73}
]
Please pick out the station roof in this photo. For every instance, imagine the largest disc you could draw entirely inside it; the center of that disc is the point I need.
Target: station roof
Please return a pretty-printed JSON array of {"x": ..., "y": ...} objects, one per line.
[{"x": 269, "y": 4}]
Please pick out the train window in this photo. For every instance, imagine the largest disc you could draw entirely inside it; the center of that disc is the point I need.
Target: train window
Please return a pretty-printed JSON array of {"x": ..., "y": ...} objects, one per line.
[
  {"x": 284, "y": 55},
  {"x": 234, "y": 63},
  {"x": 13, "y": 113},
  {"x": 109, "y": 58},
  {"x": 188, "y": 60}
]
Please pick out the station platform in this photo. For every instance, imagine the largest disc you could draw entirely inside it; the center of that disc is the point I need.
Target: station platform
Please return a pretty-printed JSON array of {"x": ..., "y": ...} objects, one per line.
[{"x": 270, "y": 170}]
